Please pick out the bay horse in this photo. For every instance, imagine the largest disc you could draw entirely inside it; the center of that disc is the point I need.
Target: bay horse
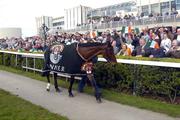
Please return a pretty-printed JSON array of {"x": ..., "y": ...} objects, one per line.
[{"x": 77, "y": 58}]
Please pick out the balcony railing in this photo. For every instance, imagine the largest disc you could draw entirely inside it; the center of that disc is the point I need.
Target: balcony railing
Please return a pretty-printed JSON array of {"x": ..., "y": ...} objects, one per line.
[{"x": 134, "y": 22}]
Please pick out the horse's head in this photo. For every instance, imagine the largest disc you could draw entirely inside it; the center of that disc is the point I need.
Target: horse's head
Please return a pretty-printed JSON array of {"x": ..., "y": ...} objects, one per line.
[
  {"x": 108, "y": 53},
  {"x": 89, "y": 50}
]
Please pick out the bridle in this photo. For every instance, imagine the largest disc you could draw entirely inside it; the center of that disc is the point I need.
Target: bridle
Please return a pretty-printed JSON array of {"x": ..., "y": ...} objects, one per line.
[{"x": 77, "y": 49}]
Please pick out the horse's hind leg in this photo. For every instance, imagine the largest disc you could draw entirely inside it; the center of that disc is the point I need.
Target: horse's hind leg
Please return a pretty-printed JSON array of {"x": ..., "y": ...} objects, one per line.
[
  {"x": 56, "y": 83},
  {"x": 70, "y": 86},
  {"x": 96, "y": 89},
  {"x": 48, "y": 84}
]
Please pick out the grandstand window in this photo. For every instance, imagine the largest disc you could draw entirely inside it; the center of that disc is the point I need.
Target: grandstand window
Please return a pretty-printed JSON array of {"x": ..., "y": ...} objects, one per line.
[
  {"x": 145, "y": 10},
  {"x": 178, "y": 4},
  {"x": 173, "y": 5},
  {"x": 164, "y": 7},
  {"x": 178, "y": 1},
  {"x": 155, "y": 8},
  {"x": 58, "y": 23}
]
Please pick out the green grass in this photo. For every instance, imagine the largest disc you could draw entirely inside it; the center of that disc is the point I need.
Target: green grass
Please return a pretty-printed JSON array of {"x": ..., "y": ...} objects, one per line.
[
  {"x": 15, "y": 108},
  {"x": 136, "y": 101}
]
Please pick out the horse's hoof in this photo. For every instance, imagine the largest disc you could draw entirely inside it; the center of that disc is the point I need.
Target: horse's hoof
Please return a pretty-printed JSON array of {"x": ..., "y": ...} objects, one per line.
[
  {"x": 80, "y": 91},
  {"x": 58, "y": 90},
  {"x": 71, "y": 95},
  {"x": 48, "y": 90}
]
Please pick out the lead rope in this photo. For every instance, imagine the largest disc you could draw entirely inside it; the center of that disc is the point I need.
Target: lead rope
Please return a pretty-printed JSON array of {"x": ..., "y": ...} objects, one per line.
[{"x": 87, "y": 66}]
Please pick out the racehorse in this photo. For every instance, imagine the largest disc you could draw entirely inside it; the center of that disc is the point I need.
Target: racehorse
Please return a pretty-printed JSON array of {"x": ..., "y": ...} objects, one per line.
[{"x": 76, "y": 59}]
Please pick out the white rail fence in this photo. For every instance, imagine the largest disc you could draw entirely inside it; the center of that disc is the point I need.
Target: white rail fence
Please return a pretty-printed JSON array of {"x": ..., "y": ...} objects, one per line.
[{"x": 125, "y": 61}]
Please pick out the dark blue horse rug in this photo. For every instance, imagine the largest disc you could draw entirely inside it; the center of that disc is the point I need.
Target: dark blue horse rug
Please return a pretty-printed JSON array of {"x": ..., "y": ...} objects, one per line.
[{"x": 63, "y": 58}]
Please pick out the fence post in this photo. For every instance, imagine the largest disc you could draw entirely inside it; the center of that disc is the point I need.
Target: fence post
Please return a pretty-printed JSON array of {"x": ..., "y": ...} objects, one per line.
[
  {"x": 26, "y": 64},
  {"x": 135, "y": 79},
  {"x": 16, "y": 61},
  {"x": 34, "y": 64},
  {"x": 10, "y": 56},
  {"x": 2, "y": 58}
]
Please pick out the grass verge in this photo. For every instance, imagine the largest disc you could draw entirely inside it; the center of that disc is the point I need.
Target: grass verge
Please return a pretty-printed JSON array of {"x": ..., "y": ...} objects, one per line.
[
  {"x": 15, "y": 108},
  {"x": 136, "y": 101}
]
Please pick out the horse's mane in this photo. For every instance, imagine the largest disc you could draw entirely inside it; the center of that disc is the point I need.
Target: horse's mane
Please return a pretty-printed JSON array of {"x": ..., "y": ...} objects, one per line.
[{"x": 93, "y": 44}]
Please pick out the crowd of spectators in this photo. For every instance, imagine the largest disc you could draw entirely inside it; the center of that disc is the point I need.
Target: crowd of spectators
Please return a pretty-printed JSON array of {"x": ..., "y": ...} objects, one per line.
[
  {"x": 150, "y": 42},
  {"x": 130, "y": 17},
  {"x": 31, "y": 44},
  {"x": 154, "y": 43}
]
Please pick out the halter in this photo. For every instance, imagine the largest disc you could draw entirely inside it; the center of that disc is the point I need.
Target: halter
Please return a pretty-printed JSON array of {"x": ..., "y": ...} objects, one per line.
[{"x": 77, "y": 49}]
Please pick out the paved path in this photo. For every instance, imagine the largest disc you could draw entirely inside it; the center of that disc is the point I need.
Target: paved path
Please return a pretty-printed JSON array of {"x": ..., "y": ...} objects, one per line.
[{"x": 81, "y": 107}]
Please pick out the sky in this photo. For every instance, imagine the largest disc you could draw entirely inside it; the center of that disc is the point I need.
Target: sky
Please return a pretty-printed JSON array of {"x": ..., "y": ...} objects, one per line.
[{"x": 22, "y": 13}]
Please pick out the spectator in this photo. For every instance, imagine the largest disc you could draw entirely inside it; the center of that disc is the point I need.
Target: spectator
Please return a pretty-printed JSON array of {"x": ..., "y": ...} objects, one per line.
[
  {"x": 125, "y": 51},
  {"x": 135, "y": 39},
  {"x": 140, "y": 50},
  {"x": 151, "y": 14},
  {"x": 152, "y": 42},
  {"x": 161, "y": 34},
  {"x": 129, "y": 42},
  {"x": 116, "y": 37},
  {"x": 146, "y": 35},
  {"x": 174, "y": 50},
  {"x": 142, "y": 15},
  {"x": 166, "y": 43},
  {"x": 177, "y": 36},
  {"x": 113, "y": 43},
  {"x": 155, "y": 53}
]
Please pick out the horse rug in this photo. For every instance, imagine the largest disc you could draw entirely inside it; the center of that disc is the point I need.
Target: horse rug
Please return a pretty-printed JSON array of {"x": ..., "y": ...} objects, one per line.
[{"x": 64, "y": 59}]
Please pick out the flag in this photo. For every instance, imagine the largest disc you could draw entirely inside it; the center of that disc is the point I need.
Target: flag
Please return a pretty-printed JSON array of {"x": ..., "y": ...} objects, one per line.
[{"x": 93, "y": 34}]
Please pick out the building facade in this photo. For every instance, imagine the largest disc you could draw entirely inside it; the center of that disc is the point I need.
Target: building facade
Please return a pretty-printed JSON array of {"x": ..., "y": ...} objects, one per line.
[
  {"x": 58, "y": 23},
  {"x": 75, "y": 16},
  {"x": 10, "y": 32},
  {"x": 47, "y": 20},
  {"x": 158, "y": 6},
  {"x": 177, "y": 5},
  {"x": 112, "y": 10}
]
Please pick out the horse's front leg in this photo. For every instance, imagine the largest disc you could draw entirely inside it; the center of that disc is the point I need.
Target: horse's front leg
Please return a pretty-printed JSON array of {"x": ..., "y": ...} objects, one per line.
[
  {"x": 48, "y": 84},
  {"x": 70, "y": 86},
  {"x": 96, "y": 89},
  {"x": 56, "y": 83}
]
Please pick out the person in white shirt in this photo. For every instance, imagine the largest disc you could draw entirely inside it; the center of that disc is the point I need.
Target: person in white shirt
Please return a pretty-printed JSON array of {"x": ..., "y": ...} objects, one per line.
[
  {"x": 178, "y": 36},
  {"x": 166, "y": 43}
]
